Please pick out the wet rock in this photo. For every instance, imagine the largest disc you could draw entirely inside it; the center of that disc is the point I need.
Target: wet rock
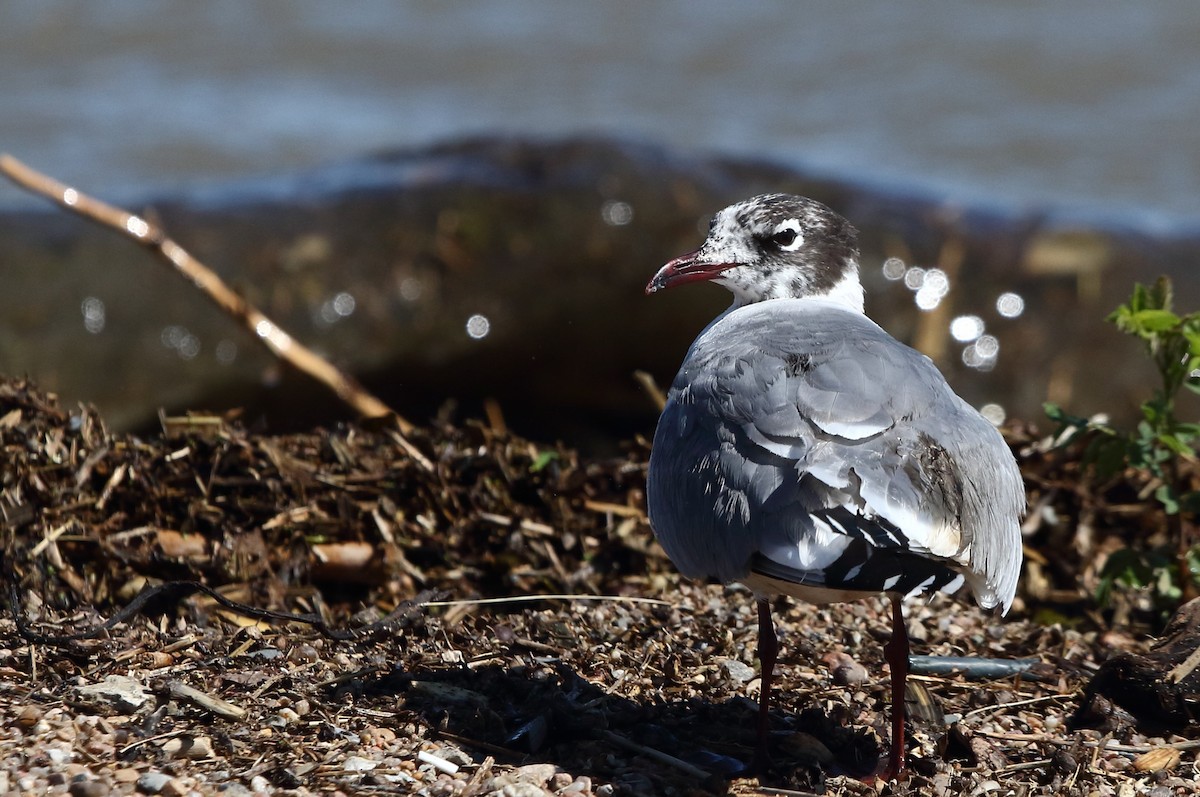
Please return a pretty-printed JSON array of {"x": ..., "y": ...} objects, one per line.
[{"x": 495, "y": 267}]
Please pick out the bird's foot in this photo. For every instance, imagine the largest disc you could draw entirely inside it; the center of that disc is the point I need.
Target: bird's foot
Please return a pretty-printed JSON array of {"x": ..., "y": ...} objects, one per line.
[{"x": 890, "y": 769}]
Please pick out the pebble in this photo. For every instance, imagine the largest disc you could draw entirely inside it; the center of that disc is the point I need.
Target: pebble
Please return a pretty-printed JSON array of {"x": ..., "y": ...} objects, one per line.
[
  {"x": 846, "y": 671},
  {"x": 87, "y": 788},
  {"x": 581, "y": 785},
  {"x": 454, "y": 756},
  {"x": 739, "y": 671},
  {"x": 152, "y": 782},
  {"x": 175, "y": 788},
  {"x": 537, "y": 774},
  {"x": 118, "y": 692},
  {"x": 522, "y": 790},
  {"x": 194, "y": 747},
  {"x": 28, "y": 717}
]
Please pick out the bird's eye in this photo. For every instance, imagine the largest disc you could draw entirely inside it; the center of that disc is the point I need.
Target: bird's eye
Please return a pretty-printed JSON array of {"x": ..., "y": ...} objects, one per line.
[
  {"x": 787, "y": 236},
  {"x": 784, "y": 238}
]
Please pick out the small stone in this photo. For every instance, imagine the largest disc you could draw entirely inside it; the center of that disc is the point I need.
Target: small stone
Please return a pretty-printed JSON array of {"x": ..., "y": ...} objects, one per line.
[
  {"x": 454, "y": 756},
  {"x": 581, "y": 785},
  {"x": 117, "y": 692},
  {"x": 87, "y": 788},
  {"x": 359, "y": 764},
  {"x": 175, "y": 788},
  {"x": 152, "y": 782},
  {"x": 259, "y": 784},
  {"x": 303, "y": 653},
  {"x": 739, "y": 671},
  {"x": 28, "y": 717},
  {"x": 846, "y": 671},
  {"x": 523, "y": 790},
  {"x": 536, "y": 774},
  {"x": 194, "y": 747},
  {"x": 126, "y": 775}
]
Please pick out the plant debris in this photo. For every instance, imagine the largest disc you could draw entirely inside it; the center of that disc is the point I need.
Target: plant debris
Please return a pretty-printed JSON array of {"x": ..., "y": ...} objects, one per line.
[{"x": 649, "y": 689}]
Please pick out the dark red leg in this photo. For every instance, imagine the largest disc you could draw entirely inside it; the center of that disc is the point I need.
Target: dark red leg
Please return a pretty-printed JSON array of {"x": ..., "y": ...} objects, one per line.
[
  {"x": 768, "y": 652},
  {"x": 896, "y": 654}
]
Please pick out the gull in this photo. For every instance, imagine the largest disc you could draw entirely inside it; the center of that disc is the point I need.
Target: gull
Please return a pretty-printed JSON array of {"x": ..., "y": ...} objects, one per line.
[{"x": 803, "y": 451}]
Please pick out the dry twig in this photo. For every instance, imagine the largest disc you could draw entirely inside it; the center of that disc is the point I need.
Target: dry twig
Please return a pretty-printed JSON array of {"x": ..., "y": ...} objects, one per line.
[{"x": 146, "y": 233}]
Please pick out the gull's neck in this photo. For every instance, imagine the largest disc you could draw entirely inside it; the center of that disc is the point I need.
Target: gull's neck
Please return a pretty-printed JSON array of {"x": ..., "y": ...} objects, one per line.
[{"x": 847, "y": 292}]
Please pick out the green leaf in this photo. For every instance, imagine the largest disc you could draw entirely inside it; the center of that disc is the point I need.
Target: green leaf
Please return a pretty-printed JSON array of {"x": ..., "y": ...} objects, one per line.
[
  {"x": 1155, "y": 320},
  {"x": 1166, "y": 496},
  {"x": 1166, "y": 586},
  {"x": 1175, "y": 444},
  {"x": 543, "y": 459}
]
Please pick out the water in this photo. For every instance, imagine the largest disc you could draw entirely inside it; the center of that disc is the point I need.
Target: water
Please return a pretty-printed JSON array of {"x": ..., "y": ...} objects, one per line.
[{"x": 1092, "y": 106}]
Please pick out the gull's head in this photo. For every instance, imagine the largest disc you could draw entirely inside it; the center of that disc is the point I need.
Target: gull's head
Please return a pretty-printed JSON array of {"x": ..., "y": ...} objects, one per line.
[{"x": 774, "y": 246}]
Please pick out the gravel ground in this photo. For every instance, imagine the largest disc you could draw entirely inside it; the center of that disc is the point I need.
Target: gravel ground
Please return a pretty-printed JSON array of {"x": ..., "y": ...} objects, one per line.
[{"x": 469, "y": 688}]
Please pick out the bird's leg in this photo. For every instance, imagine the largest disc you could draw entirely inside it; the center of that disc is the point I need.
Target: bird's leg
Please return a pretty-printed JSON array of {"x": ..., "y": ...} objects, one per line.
[
  {"x": 768, "y": 652},
  {"x": 896, "y": 654}
]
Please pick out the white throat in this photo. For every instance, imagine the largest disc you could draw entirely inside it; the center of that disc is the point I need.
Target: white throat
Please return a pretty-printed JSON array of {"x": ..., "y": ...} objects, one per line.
[{"x": 848, "y": 292}]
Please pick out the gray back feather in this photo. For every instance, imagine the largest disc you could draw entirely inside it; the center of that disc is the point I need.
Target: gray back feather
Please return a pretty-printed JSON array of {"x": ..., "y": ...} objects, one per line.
[{"x": 788, "y": 406}]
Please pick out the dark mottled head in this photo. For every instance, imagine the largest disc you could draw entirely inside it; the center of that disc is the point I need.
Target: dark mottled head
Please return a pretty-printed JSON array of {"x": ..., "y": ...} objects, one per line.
[{"x": 774, "y": 246}]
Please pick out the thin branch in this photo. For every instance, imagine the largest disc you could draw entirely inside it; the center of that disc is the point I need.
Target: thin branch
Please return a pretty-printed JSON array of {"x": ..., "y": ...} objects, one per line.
[
  {"x": 1002, "y": 706},
  {"x": 657, "y": 755},
  {"x": 151, "y": 236}
]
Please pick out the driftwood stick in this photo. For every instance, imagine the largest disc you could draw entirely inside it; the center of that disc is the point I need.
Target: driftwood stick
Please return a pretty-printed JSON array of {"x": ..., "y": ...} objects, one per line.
[{"x": 151, "y": 236}]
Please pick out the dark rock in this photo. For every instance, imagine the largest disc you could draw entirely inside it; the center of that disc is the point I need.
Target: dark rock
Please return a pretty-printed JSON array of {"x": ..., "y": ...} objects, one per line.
[{"x": 381, "y": 262}]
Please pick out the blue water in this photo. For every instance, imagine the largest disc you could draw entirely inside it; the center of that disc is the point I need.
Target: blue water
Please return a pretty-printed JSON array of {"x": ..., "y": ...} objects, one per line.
[{"x": 1092, "y": 106}]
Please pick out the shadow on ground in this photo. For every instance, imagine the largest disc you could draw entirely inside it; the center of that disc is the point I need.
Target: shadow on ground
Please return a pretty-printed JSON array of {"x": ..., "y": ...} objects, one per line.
[{"x": 523, "y": 717}]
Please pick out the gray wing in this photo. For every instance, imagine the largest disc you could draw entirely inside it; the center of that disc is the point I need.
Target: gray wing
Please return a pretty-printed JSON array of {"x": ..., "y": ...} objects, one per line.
[{"x": 803, "y": 443}]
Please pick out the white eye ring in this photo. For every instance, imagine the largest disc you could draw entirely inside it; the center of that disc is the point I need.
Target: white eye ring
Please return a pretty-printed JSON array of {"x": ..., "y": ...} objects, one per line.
[{"x": 787, "y": 236}]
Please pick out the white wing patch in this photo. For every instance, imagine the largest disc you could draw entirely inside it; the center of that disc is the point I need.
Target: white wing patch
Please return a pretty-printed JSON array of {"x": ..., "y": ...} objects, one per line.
[{"x": 811, "y": 553}]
